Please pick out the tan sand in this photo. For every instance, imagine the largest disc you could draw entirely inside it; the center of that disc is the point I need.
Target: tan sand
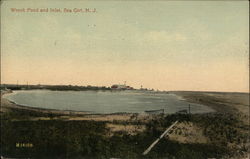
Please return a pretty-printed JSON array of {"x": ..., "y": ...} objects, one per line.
[
  {"x": 129, "y": 129},
  {"x": 187, "y": 133}
]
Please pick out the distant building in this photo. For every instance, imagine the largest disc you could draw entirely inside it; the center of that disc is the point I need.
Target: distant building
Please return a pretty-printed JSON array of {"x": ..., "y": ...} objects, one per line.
[
  {"x": 143, "y": 89},
  {"x": 121, "y": 87}
]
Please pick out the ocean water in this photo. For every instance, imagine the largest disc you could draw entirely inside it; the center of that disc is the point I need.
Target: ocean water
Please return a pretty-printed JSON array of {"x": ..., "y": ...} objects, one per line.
[{"x": 104, "y": 101}]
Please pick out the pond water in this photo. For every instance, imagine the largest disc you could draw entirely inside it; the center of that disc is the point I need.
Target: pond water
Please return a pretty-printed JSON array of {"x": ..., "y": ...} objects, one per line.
[{"x": 104, "y": 101}]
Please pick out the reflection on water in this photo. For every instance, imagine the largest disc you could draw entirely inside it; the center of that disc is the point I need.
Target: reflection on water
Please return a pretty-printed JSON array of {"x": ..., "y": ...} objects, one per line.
[{"x": 104, "y": 101}]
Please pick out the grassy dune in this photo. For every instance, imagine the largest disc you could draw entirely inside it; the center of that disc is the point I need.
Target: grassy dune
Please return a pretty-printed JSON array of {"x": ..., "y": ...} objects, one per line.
[{"x": 223, "y": 134}]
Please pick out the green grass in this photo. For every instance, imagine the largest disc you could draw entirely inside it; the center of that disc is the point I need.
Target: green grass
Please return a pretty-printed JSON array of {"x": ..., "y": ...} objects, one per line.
[{"x": 88, "y": 139}]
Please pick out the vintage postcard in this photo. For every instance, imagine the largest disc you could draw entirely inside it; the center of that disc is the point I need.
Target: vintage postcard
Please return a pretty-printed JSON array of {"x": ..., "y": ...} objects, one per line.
[{"x": 124, "y": 79}]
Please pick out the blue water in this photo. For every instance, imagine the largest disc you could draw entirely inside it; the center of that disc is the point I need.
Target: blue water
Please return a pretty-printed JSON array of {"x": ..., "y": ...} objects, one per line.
[{"x": 104, "y": 101}]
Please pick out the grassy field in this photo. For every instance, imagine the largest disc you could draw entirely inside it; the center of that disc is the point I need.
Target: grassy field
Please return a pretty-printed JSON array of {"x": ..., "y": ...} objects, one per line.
[{"x": 37, "y": 134}]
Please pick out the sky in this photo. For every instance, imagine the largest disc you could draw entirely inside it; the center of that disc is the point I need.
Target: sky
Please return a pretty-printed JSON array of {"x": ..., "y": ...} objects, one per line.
[{"x": 164, "y": 45}]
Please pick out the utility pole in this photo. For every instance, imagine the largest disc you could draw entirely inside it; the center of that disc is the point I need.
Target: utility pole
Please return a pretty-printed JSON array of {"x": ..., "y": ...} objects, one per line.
[{"x": 158, "y": 139}]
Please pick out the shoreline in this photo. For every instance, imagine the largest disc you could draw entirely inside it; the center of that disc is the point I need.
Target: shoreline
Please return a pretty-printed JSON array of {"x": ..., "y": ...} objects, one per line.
[
  {"x": 8, "y": 104},
  {"x": 5, "y": 103},
  {"x": 236, "y": 104},
  {"x": 35, "y": 114},
  {"x": 204, "y": 98}
]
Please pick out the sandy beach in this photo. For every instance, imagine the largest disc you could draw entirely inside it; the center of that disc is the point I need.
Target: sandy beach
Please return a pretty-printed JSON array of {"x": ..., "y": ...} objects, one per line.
[{"x": 231, "y": 103}]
